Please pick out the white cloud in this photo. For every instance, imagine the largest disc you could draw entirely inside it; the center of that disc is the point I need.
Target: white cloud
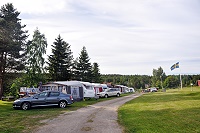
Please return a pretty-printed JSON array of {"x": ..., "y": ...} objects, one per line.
[{"x": 39, "y": 6}]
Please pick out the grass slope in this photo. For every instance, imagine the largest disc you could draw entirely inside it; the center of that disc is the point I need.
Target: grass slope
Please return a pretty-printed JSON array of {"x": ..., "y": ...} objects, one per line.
[{"x": 167, "y": 112}]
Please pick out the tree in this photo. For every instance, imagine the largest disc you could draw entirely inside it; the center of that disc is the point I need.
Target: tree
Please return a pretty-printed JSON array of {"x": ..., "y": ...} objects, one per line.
[
  {"x": 83, "y": 67},
  {"x": 35, "y": 58},
  {"x": 135, "y": 81},
  {"x": 60, "y": 63},
  {"x": 12, "y": 42},
  {"x": 171, "y": 82},
  {"x": 96, "y": 73},
  {"x": 157, "y": 75}
]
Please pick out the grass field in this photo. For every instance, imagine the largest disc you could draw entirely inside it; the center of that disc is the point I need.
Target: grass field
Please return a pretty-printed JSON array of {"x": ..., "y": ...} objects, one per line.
[
  {"x": 17, "y": 121},
  {"x": 174, "y": 111}
]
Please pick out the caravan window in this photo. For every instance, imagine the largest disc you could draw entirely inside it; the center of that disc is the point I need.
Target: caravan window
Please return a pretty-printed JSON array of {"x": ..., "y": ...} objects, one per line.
[
  {"x": 60, "y": 88},
  {"x": 89, "y": 87}
]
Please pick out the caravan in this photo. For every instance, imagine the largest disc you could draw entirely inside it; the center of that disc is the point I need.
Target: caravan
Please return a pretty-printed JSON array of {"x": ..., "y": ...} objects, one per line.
[
  {"x": 89, "y": 90},
  {"x": 123, "y": 89},
  {"x": 99, "y": 87},
  {"x": 78, "y": 89},
  {"x": 24, "y": 91}
]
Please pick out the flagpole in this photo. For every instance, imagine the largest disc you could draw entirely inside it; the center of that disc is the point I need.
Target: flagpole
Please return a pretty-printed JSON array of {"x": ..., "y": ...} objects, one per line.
[
  {"x": 181, "y": 79},
  {"x": 174, "y": 66}
]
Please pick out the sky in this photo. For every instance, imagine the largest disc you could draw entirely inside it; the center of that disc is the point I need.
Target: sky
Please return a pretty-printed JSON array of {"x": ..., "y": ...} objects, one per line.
[{"x": 125, "y": 37}]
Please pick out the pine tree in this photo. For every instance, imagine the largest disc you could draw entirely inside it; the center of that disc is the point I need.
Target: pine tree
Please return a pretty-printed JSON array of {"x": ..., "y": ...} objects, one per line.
[
  {"x": 75, "y": 70},
  {"x": 61, "y": 61},
  {"x": 12, "y": 42},
  {"x": 96, "y": 73},
  {"x": 83, "y": 67}
]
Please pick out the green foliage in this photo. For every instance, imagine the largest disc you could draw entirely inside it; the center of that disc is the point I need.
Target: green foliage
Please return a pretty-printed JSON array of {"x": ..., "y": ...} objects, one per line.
[
  {"x": 36, "y": 50},
  {"x": 22, "y": 81},
  {"x": 35, "y": 60},
  {"x": 12, "y": 42},
  {"x": 172, "y": 82},
  {"x": 158, "y": 76},
  {"x": 8, "y": 80},
  {"x": 188, "y": 79},
  {"x": 83, "y": 67},
  {"x": 14, "y": 89},
  {"x": 135, "y": 81},
  {"x": 60, "y": 63},
  {"x": 14, "y": 47},
  {"x": 96, "y": 73}
]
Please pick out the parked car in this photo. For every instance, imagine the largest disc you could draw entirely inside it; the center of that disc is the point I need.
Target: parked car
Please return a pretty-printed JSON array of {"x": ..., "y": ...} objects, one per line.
[
  {"x": 153, "y": 89},
  {"x": 110, "y": 92},
  {"x": 131, "y": 90},
  {"x": 45, "y": 98}
]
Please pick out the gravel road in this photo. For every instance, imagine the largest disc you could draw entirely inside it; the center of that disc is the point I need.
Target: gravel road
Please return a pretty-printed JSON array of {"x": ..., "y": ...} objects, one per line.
[{"x": 97, "y": 118}]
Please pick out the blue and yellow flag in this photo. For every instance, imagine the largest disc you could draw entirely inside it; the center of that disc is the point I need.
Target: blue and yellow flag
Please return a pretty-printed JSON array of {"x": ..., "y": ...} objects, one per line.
[{"x": 176, "y": 65}]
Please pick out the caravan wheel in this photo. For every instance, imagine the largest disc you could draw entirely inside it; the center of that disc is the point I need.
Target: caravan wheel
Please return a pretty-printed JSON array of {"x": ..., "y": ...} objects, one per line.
[{"x": 106, "y": 96}]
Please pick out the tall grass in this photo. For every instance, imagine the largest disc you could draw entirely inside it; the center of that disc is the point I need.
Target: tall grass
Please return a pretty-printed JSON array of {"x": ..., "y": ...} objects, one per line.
[{"x": 174, "y": 111}]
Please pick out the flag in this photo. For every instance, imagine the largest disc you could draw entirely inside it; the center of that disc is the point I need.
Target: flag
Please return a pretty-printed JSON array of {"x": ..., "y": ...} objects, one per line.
[{"x": 176, "y": 65}]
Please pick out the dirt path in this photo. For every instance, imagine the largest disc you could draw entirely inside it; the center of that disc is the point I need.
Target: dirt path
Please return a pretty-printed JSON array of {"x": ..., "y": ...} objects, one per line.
[{"x": 96, "y": 118}]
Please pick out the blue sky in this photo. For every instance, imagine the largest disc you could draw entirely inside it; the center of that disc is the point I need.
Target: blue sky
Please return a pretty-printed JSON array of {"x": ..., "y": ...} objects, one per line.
[{"x": 124, "y": 37}]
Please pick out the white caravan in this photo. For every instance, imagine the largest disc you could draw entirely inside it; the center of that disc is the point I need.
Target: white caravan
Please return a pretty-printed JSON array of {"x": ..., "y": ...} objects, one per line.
[
  {"x": 88, "y": 88},
  {"x": 99, "y": 87}
]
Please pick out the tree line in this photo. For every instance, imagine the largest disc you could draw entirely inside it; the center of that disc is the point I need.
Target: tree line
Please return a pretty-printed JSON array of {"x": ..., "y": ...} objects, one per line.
[{"x": 158, "y": 79}]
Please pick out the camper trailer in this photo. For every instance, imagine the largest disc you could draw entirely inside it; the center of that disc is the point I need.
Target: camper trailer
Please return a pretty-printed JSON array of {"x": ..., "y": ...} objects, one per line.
[
  {"x": 78, "y": 89},
  {"x": 89, "y": 90},
  {"x": 123, "y": 89},
  {"x": 24, "y": 91},
  {"x": 99, "y": 87}
]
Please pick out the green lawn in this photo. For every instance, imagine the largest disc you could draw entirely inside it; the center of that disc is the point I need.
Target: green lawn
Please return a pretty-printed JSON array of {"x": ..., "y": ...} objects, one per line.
[
  {"x": 17, "y": 121},
  {"x": 174, "y": 111}
]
